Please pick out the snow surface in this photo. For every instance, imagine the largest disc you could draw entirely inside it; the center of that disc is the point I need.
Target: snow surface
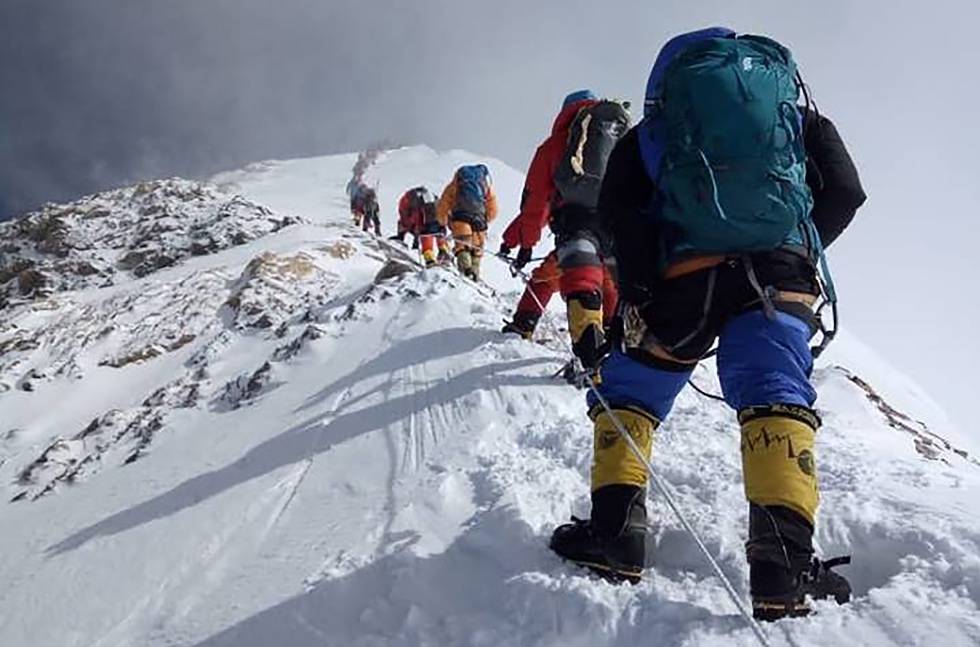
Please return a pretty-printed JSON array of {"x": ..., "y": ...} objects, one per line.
[{"x": 336, "y": 460}]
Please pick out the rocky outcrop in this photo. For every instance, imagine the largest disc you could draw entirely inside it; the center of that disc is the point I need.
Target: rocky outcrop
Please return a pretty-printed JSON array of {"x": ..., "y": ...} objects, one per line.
[{"x": 130, "y": 232}]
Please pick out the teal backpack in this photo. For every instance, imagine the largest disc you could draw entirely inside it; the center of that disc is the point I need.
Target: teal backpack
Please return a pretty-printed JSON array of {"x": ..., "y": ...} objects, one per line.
[
  {"x": 722, "y": 138},
  {"x": 728, "y": 153}
]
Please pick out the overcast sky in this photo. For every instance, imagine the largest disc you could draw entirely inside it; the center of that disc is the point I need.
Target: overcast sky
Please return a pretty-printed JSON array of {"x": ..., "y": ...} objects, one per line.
[{"x": 99, "y": 93}]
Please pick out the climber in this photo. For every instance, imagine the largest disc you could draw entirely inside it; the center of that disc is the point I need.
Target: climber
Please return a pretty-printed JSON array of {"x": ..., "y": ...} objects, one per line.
[
  {"x": 365, "y": 209},
  {"x": 355, "y": 189},
  {"x": 412, "y": 209},
  {"x": 468, "y": 205},
  {"x": 562, "y": 190},
  {"x": 431, "y": 233},
  {"x": 719, "y": 204}
]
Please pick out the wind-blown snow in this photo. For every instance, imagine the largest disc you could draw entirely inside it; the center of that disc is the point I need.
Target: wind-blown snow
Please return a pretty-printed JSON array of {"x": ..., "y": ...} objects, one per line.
[{"x": 272, "y": 447}]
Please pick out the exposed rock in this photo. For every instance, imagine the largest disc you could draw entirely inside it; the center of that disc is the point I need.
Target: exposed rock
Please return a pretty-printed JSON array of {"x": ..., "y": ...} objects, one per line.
[
  {"x": 141, "y": 355},
  {"x": 246, "y": 388},
  {"x": 341, "y": 249},
  {"x": 293, "y": 348},
  {"x": 124, "y": 433},
  {"x": 131, "y": 260},
  {"x": 394, "y": 268},
  {"x": 133, "y": 231},
  {"x": 30, "y": 282},
  {"x": 275, "y": 289},
  {"x": 927, "y": 443}
]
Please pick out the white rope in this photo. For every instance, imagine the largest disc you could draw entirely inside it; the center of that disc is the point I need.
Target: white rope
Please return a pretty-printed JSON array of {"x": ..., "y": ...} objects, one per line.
[{"x": 660, "y": 483}]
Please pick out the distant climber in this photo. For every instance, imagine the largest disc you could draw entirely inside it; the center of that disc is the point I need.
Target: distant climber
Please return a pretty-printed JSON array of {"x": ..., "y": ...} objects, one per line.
[
  {"x": 354, "y": 187},
  {"x": 417, "y": 216},
  {"x": 364, "y": 206},
  {"x": 413, "y": 207},
  {"x": 468, "y": 205},
  {"x": 354, "y": 190},
  {"x": 365, "y": 209},
  {"x": 708, "y": 201},
  {"x": 562, "y": 190}
]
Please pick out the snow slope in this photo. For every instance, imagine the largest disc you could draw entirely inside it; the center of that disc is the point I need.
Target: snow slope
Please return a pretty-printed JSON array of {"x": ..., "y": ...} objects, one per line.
[{"x": 332, "y": 459}]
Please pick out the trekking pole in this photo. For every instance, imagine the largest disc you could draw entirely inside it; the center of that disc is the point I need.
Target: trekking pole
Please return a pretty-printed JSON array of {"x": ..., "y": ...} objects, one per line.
[{"x": 659, "y": 482}]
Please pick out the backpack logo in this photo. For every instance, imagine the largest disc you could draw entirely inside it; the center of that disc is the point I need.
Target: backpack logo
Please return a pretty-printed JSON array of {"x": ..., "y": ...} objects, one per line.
[{"x": 747, "y": 63}]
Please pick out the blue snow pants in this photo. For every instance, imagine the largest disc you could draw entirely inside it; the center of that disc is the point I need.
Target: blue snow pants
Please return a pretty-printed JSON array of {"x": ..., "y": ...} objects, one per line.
[{"x": 760, "y": 362}]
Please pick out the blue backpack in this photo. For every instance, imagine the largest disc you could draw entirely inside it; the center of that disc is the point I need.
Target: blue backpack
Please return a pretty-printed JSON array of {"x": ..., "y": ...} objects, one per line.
[
  {"x": 471, "y": 190},
  {"x": 722, "y": 138}
]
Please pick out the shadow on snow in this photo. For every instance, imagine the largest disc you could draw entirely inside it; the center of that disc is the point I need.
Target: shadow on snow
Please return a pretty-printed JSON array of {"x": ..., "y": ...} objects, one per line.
[{"x": 317, "y": 434}]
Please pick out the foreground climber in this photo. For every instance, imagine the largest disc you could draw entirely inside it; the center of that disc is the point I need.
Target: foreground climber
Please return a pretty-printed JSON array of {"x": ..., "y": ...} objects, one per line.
[
  {"x": 709, "y": 204},
  {"x": 468, "y": 205},
  {"x": 562, "y": 190}
]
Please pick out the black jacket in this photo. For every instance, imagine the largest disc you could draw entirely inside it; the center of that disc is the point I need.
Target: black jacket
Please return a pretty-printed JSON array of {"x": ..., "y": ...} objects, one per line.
[{"x": 628, "y": 195}]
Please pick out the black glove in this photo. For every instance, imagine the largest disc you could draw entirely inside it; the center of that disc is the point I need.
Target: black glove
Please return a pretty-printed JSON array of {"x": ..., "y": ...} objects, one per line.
[
  {"x": 504, "y": 250},
  {"x": 523, "y": 258}
]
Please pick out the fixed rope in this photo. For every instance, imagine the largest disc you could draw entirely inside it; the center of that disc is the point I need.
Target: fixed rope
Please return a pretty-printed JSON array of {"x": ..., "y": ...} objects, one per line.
[
  {"x": 707, "y": 394},
  {"x": 659, "y": 482}
]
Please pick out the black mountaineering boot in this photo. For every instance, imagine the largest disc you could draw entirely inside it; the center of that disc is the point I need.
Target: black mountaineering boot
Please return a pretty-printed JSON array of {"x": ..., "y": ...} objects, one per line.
[
  {"x": 613, "y": 542},
  {"x": 778, "y": 592},
  {"x": 522, "y": 324},
  {"x": 775, "y": 592},
  {"x": 782, "y": 568},
  {"x": 820, "y": 582}
]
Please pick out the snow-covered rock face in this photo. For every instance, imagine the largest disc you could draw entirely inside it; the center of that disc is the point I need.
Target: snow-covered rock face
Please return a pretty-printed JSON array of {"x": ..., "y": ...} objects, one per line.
[
  {"x": 301, "y": 438},
  {"x": 134, "y": 231}
]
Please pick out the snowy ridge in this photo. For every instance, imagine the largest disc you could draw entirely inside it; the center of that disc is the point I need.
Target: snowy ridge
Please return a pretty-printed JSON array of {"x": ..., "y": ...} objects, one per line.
[{"x": 304, "y": 440}]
